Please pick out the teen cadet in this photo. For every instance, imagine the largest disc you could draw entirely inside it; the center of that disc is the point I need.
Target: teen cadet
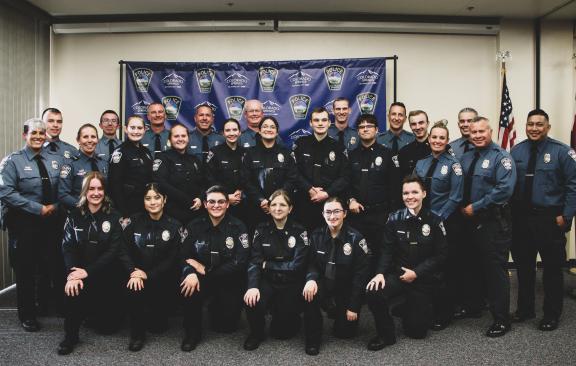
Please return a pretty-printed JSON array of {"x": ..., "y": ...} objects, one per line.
[
  {"x": 543, "y": 207},
  {"x": 28, "y": 188},
  {"x": 156, "y": 137},
  {"x": 72, "y": 173},
  {"x": 340, "y": 130},
  {"x": 323, "y": 168},
  {"x": 463, "y": 144},
  {"x": 52, "y": 117},
  {"x": 371, "y": 169},
  {"x": 204, "y": 136},
  {"x": 109, "y": 123},
  {"x": 396, "y": 137},
  {"x": 214, "y": 259},
  {"x": 253, "y": 113},
  {"x": 490, "y": 176}
]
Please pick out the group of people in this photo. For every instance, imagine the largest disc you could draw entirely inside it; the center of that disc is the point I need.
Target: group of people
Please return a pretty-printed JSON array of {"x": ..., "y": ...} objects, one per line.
[{"x": 412, "y": 224}]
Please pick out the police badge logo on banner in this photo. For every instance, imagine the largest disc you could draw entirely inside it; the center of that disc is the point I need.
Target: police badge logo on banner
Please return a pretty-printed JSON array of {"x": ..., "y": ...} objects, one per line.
[
  {"x": 172, "y": 106},
  {"x": 367, "y": 102},
  {"x": 142, "y": 78},
  {"x": 334, "y": 75},
  {"x": 235, "y": 106},
  {"x": 300, "y": 104},
  {"x": 205, "y": 79},
  {"x": 267, "y": 78}
]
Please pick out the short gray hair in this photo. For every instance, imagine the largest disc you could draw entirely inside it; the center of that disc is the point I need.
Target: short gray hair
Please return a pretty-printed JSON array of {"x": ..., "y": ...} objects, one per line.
[{"x": 34, "y": 124}]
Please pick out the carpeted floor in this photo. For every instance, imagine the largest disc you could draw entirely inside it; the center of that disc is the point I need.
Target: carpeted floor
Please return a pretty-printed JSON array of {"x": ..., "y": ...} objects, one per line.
[{"x": 463, "y": 343}]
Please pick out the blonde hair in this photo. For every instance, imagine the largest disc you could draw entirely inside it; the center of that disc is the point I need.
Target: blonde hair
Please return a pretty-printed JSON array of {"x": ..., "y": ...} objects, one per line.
[{"x": 83, "y": 201}]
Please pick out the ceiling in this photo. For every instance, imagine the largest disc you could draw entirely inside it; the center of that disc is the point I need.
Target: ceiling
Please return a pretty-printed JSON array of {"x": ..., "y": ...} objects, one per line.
[{"x": 99, "y": 9}]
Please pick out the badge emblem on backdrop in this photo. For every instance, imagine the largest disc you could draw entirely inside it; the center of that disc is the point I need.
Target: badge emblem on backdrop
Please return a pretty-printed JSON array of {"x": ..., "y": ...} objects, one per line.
[{"x": 142, "y": 79}]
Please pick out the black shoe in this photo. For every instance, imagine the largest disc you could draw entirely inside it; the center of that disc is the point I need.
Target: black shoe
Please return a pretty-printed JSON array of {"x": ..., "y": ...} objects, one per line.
[
  {"x": 519, "y": 317},
  {"x": 497, "y": 329},
  {"x": 252, "y": 342},
  {"x": 189, "y": 344},
  {"x": 136, "y": 344},
  {"x": 377, "y": 343},
  {"x": 548, "y": 324},
  {"x": 312, "y": 349},
  {"x": 66, "y": 346},
  {"x": 31, "y": 325}
]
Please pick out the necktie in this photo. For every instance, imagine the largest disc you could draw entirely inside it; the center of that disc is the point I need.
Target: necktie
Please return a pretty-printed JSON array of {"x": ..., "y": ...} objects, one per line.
[
  {"x": 110, "y": 147},
  {"x": 46, "y": 186},
  {"x": 466, "y": 146},
  {"x": 394, "y": 145},
  {"x": 205, "y": 148},
  {"x": 429, "y": 175},
  {"x": 157, "y": 144},
  {"x": 468, "y": 179},
  {"x": 53, "y": 146},
  {"x": 93, "y": 165},
  {"x": 529, "y": 181},
  {"x": 330, "y": 272},
  {"x": 341, "y": 138}
]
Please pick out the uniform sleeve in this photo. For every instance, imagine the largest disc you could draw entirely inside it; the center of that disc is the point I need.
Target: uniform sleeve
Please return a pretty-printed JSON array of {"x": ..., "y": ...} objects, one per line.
[
  {"x": 116, "y": 182},
  {"x": 303, "y": 183},
  {"x": 504, "y": 182},
  {"x": 9, "y": 190},
  {"x": 239, "y": 262},
  {"x": 253, "y": 191},
  {"x": 389, "y": 241},
  {"x": 313, "y": 271},
  {"x": 65, "y": 187},
  {"x": 114, "y": 246},
  {"x": 292, "y": 175},
  {"x": 434, "y": 264},
  {"x": 341, "y": 183},
  {"x": 298, "y": 262},
  {"x": 69, "y": 245},
  {"x": 456, "y": 191},
  {"x": 162, "y": 176},
  {"x": 170, "y": 258},
  {"x": 361, "y": 274},
  {"x": 568, "y": 166},
  {"x": 188, "y": 251},
  {"x": 126, "y": 251},
  {"x": 256, "y": 259}
]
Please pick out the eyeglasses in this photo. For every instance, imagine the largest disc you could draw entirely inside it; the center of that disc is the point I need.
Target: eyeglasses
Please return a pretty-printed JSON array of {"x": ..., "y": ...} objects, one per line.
[
  {"x": 216, "y": 202},
  {"x": 253, "y": 110},
  {"x": 365, "y": 127},
  {"x": 333, "y": 212}
]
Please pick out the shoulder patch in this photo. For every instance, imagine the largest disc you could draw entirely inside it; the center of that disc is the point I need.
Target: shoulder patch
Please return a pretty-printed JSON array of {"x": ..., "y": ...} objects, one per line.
[
  {"x": 256, "y": 233},
  {"x": 183, "y": 234},
  {"x": 156, "y": 164},
  {"x": 441, "y": 225},
  {"x": 210, "y": 155},
  {"x": 124, "y": 223},
  {"x": 506, "y": 163},
  {"x": 304, "y": 236},
  {"x": 572, "y": 154},
  {"x": 3, "y": 163},
  {"x": 116, "y": 157},
  {"x": 244, "y": 240},
  {"x": 65, "y": 170},
  {"x": 457, "y": 168},
  {"x": 364, "y": 245}
]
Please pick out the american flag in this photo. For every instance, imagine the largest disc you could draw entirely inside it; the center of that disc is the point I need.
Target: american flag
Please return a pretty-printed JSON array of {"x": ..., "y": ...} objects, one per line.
[{"x": 506, "y": 133}]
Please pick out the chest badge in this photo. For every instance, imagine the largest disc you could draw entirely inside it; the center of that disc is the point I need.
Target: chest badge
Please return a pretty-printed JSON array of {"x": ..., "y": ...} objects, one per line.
[
  {"x": 444, "y": 170},
  {"x": 67, "y": 154},
  {"x": 55, "y": 165},
  {"x": 246, "y": 144},
  {"x": 425, "y": 229},
  {"x": 547, "y": 158},
  {"x": 485, "y": 164},
  {"x": 229, "y": 242},
  {"x": 347, "y": 248},
  {"x": 165, "y": 235},
  {"x": 378, "y": 161},
  {"x": 280, "y": 158},
  {"x": 291, "y": 242},
  {"x": 332, "y": 156},
  {"x": 106, "y": 227}
]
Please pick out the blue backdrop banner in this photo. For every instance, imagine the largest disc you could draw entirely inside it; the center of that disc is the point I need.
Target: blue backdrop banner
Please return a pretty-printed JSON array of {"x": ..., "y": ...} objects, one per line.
[{"x": 289, "y": 90}]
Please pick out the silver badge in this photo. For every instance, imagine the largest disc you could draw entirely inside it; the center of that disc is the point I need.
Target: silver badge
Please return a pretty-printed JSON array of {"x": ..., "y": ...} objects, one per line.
[
  {"x": 457, "y": 168},
  {"x": 332, "y": 156},
  {"x": 156, "y": 164},
  {"x": 347, "y": 248},
  {"x": 106, "y": 226},
  {"x": 116, "y": 156},
  {"x": 546, "y": 158},
  {"x": 55, "y": 165},
  {"x": 65, "y": 171},
  {"x": 280, "y": 158},
  {"x": 363, "y": 245},
  {"x": 165, "y": 235},
  {"x": 444, "y": 170},
  {"x": 67, "y": 154},
  {"x": 246, "y": 144},
  {"x": 291, "y": 242},
  {"x": 229, "y": 242},
  {"x": 244, "y": 240},
  {"x": 506, "y": 163},
  {"x": 486, "y": 164},
  {"x": 425, "y": 229},
  {"x": 378, "y": 161}
]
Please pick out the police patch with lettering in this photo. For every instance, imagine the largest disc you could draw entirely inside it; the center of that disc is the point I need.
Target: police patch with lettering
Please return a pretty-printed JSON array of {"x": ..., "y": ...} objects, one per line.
[
  {"x": 156, "y": 164},
  {"x": 457, "y": 168},
  {"x": 116, "y": 157},
  {"x": 64, "y": 171},
  {"x": 572, "y": 154},
  {"x": 506, "y": 163},
  {"x": 244, "y": 240}
]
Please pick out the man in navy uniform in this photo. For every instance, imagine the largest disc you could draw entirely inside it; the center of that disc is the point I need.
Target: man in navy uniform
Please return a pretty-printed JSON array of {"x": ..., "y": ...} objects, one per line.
[
  {"x": 490, "y": 176},
  {"x": 463, "y": 144},
  {"x": 543, "y": 207},
  {"x": 396, "y": 137},
  {"x": 52, "y": 117},
  {"x": 156, "y": 137},
  {"x": 204, "y": 136},
  {"x": 340, "y": 130},
  {"x": 109, "y": 123}
]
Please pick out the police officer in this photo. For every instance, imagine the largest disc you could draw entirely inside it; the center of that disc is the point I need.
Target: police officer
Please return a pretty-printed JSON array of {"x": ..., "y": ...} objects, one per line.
[
  {"x": 323, "y": 168},
  {"x": 72, "y": 173},
  {"x": 396, "y": 137},
  {"x": 371, "y": 171},
  {"x": 109, "y": 123},
  {"x": 225, "y": 168},
  {"x": 150, "y": 256},
  {"x": 28, "y": 191},
  {"x": 413, "y": 250},
  {"x": 276, "y": 273},
  {"x": 92, "y": 240},
  {"x": 214, "y": 257},
  {"x": 338, "y": 268},
  {"x": 463, "y": 144},
  {"x": 156, "y": 137},
  {"x": 543, "y": 207},
  {"x": 443, "y": 180},
  {"x": 253, "y": 113},
  {"x": 130, "y": 170},
  {"x": 204, "y": 136},
  {"x": 269, "y": 167},
  {"x": 341, "y": 130},
  {"x": 52, "y": 117},
  {"x": 490, "y": 176},
  {"x": 181, "y": 175}
]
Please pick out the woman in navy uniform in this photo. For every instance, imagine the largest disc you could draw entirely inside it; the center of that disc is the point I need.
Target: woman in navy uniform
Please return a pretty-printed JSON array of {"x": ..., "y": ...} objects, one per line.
[
  {"x": 28, "y": 191},
  {"x": 413, "y": 251},
  {"x": 92, "y": 240},
  {"x": 130, "y": 170},
  {"x": 276, "y": 273},
  {"x": 338, "y": 267},
  {"x": 72, "y": 174},
  {"x": 181, "y": 175},
  {"x": 151, "y": 243}
]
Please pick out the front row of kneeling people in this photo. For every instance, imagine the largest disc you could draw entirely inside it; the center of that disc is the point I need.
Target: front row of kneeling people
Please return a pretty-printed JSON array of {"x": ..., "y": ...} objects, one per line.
[{"x": 289, "y": 271}]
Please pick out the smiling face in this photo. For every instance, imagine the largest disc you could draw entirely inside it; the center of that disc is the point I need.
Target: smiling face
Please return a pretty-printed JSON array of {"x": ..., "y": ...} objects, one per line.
[
  {"x": 134, "y": 129},
  {"x": 204, "y": 119},
  {"x": 53, "y": 124},
  {"x": 413, "y": 195},
  {"x": 396, "y": 118},
  {"x": 481, "y": 133},
  {"x": 320, "y": 123},
  {"x": 154, "y": 203},
  {"x": 342, "y": 112},
  {"x": 419, "y": 126},
  {"x": 334, "y": 215},
  {"x": 35, "y": 139},
  {"x": 464, "y": 120},
  {"x": 537, "y": 128},
  {"x": 156, "y": 114},
  {"x": 279, "y": 208},
  {"x": 438, "y": 140},
  {"x": 216, "y": 204},
  {"x": 268, "y": 130},
  {"x": 253, "y": 112},
  {"x": 87, "y": 140},
  {"x": 231, "y": 132},
  {"x": 179, "y": 138},
  {"x": 95, "y": 193},
  {"x": 109, "y": 124}
]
